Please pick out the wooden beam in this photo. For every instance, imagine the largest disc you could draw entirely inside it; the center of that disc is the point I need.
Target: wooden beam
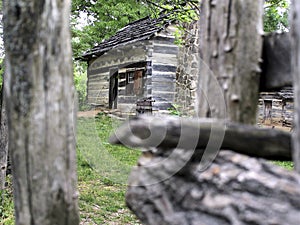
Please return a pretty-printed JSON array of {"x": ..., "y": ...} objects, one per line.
[
  {"x": 191, "y": 133},
  {"x": 276, "y": 66}
]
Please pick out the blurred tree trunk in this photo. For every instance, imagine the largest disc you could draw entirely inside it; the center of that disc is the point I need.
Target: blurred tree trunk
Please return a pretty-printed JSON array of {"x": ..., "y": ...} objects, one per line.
[
  {"x": 230, "y": 50},
  {"x": 39, "y": 100},
  {"x": 295, "y": 46},
  {"x": 3, "y": 140}
]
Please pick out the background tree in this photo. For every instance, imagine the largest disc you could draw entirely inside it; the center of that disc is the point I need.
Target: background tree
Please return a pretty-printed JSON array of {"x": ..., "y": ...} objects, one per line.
[{"x": 39, "y": 94}]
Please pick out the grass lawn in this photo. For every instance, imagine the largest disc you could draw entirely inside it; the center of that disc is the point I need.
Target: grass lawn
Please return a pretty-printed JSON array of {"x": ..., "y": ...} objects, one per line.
[
  {"x": 103, "y": 170},
  {"x": 102, "y": 174},
  {"x": 286, "y": 164},
  {"x": 7, "y": 205}
]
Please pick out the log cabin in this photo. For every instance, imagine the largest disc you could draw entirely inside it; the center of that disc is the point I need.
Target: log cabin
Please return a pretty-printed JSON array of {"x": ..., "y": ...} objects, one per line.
[
  {"x": 277, "y": 107},
  {"x": 138, "y": 62}
]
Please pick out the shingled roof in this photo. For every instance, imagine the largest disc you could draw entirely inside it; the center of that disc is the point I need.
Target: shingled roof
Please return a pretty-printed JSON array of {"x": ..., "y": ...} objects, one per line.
[{"x": 136, "y": 31}]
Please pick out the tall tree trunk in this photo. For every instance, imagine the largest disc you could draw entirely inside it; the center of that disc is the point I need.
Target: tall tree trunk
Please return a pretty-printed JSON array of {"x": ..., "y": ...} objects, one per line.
[
  {"x": 230, "y": 49},
  {"x": 40, "y": 97},
  {"x": 295, "y": 46},
  {"x": 3, "y": 140}
]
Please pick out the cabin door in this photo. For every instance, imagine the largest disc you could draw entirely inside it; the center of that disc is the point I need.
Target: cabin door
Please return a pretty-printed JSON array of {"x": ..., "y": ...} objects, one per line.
[{"x": 113, "y": 91}]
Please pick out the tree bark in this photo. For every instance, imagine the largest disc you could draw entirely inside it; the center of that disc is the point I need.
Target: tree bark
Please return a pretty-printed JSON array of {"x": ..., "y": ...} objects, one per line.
[
  {"x": 40, "y": 97},
  {"x": 234, "y": 190},
  {"x": 230, "y": 49},
  {"x": 3, "y": 140},
  {"x": 295, "y": 46}
]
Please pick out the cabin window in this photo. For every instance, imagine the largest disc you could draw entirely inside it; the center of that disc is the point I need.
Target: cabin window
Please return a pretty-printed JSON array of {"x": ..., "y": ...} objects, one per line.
[{"x": 131, "y": 81}]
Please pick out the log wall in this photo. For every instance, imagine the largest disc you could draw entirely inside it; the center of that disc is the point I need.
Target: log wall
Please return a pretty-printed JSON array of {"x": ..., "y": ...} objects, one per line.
[
  {"x": 164, "y": 64},
  {"x": 99, "y": 70}
]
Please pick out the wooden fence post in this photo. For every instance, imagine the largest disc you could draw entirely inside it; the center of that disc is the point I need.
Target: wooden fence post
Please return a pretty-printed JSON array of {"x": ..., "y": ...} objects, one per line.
[
  {"x": 295, "y": 43},
  {"x": 230, "y": 49},
  {"x": 40, "y": 100}
]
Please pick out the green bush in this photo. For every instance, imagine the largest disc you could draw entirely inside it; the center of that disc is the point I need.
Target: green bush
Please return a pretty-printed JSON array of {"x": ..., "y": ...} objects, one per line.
[{"x": 80, "y": 80}]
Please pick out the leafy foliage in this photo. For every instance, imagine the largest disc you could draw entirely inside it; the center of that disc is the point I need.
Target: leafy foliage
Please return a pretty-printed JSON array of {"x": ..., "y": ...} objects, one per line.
[
  {"x": 94, "y": 21},
  {"x": 80, "y": 79},
  {"x": 276, "y": 15},
  {"x": 181, "y": 10}
]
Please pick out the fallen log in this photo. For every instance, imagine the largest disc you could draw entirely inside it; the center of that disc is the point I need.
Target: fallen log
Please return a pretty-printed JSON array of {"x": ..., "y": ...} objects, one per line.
[
  {"x": 235, "y": 189},
  {"x": 169, "y": 187},
  {"x": 191, "y": 134}
]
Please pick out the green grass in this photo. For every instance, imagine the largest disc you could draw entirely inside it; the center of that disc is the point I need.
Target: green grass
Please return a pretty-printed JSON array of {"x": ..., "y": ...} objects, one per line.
[
  {"x": 101, "y": 201},
  {"x": 101, "y": 187},
  {"x": 102, "y": 175},
  {"x": 6, "y": 204},
  {"x": 103, "y": 170},
  {"x": 285, "y": 164}
]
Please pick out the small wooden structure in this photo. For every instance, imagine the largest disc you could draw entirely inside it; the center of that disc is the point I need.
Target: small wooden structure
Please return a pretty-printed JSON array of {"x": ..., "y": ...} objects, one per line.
[
  {"x": 277, "y": 107},
  {"x": 139, "y": 61}
]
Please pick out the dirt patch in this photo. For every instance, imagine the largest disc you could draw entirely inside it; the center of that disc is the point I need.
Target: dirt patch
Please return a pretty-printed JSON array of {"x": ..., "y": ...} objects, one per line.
[{"x": 91, "y": 113}]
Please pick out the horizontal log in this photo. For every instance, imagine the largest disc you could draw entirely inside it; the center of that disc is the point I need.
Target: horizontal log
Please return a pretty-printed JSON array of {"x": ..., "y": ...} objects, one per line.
[
  {"x": 276, "y": 66},
  {"x": 192, "y": 133},
  {"x": 235, "y": 189}
]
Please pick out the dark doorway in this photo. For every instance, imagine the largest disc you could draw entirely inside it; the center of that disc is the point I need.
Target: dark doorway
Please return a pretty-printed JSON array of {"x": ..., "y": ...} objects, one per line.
[
  {"x": 267, "y": 111},
  {"x": 113, "y": 90}
]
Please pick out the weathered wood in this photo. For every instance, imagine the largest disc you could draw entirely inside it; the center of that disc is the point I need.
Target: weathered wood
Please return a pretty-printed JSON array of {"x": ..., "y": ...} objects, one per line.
[
  {"x": 235, "y": 189},
  {"x": 276, "y": 66},
  {"x": 40, "y": 100},
  {"x": 164, "y": 68},
  {"x": 231, "y": 56},
  {"x": 191, "y": 134},
  {"x": 3, "y": 140},
  {"x": 295, "y": 62}
]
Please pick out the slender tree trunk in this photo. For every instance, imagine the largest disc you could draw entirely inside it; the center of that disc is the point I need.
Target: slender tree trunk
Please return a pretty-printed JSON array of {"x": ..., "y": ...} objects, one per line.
[
  {"x": 295, "y": 43},
  {"x": 230, "y": 49},
  {"x": 3, "y": 140},
  {"x": 40, "y": 96}
]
